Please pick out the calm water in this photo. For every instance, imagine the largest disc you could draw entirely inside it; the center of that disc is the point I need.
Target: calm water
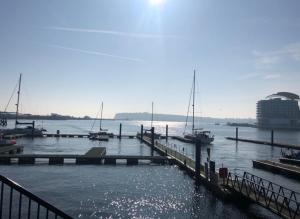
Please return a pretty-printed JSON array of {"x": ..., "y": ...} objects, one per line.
[{"x": 145, "y": 191}]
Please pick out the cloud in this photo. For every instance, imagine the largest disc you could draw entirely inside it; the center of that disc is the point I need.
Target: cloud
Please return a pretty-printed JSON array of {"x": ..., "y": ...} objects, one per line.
[
  {"x": 260, "y": 76},
  {"x": 272, "y": 76},
  {"x": 97, "y": 53},
  {"x": 111, "y": 32},
  {"x": 288, "y": 52},
  {"x": 249, "y": 76}
]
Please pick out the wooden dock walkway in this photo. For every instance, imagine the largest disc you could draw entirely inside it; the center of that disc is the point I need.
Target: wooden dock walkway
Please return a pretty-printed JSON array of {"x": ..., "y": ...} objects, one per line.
[
  {"x": 179, "y": 138},
  {"x": 280, "y": 168},
  {"x": 211, "y": 179},
  {"x": 67, "y": 135},
  {"x": 11, "y": 149},
  {"x": 265, "y": 143},
  {"x": 52, "y": 159},
  {"x": 84, "y": 136},
  {"x": 15, "y": 136},
  {"x": 96, "y": 152},
  {"x": 290, "y": 161}
]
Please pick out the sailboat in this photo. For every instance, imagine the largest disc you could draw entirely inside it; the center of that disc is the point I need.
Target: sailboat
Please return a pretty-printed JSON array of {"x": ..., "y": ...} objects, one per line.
[
  {"x": 197, "y": 135},
  {"x": 29, "y": 130},
  {"x": 102, "y": 135},
  {"x": 148, "y": 132}
]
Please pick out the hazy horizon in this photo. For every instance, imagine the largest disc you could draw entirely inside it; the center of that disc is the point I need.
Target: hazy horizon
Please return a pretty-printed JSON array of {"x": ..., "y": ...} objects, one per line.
[{"x": 73, "y": 55}]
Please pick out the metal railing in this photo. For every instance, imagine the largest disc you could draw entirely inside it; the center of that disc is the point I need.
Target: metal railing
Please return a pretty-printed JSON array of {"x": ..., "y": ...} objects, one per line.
[
  {"x": 17, "y": 202},
  {"x": 280, "y": 200}
]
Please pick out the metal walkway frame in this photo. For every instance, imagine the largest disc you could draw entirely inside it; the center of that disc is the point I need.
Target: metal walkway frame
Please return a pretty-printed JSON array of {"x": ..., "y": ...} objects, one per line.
[
  {"x": 278, "y": 199},
  {"x": 17, "y": 196}
]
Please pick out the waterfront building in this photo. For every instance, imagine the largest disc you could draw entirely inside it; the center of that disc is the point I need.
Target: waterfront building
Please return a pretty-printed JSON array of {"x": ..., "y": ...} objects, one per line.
[{"x": 280, "y": 110}]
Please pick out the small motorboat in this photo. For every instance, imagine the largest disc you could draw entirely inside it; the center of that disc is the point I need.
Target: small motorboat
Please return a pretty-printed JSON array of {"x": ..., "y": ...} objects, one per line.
[{"x": 291, "y": 154}]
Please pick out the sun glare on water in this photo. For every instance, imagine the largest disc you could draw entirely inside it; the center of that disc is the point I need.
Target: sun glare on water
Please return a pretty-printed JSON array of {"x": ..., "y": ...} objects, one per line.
[{"x": 156, "y": 2}]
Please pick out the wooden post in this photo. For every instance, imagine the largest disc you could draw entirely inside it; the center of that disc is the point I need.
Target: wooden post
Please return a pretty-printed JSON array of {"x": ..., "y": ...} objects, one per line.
[
  {"x": 167, "y": 130},
  {"x": 142, "y": 133},
  {"x": 198, "y": 160},
  {"x": 120, "y": 131},
  {"x": 236, "y": 133},
  {"x": 152, "y": 140},
  {"x": 32, "y": 131},
  {"x": 272, "y": 137}
]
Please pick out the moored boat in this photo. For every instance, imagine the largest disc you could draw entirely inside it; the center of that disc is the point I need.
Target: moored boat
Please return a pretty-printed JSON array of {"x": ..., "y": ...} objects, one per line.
[
  {"x": 102, "y": 134},
  {"x": 197, "y": 135}
]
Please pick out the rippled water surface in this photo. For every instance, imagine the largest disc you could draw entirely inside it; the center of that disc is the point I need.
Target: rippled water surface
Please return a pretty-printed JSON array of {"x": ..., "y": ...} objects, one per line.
[{"x": 144, "y": 191}]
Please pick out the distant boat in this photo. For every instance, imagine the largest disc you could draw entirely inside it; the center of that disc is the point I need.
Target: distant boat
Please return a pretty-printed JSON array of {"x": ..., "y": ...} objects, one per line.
[
  {"x": 197, "y": 135},
  {"x": 29, "y": 130},
  {"x": 147, "y": 133},
  {"x": 102, "y": 135},
  {"x": 291, "y": 154}
]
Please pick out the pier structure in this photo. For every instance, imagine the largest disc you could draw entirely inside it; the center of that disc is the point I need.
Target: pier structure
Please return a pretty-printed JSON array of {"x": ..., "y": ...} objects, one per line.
[
  {"x": 280, "y": 168},
  {"x": 276, "y": 198},
  {"x": 270, "y": 143},
  {"x": 290, "y": 161},
  {"x": 59, "y": 159},
  {"x": 247, "y": 187}
]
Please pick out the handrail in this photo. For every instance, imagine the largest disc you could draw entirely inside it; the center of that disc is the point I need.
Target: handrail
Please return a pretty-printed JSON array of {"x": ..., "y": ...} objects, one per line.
[
  {"x": 282, "y": 197},
  {"x": 15, "y": 186},
  {"x": 264, "y": 180},
  {"x": 268, "y": 190}
]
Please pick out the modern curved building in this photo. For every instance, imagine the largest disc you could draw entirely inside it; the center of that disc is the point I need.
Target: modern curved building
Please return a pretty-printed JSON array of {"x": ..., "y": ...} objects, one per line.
[{"x": 280, "y": 110}]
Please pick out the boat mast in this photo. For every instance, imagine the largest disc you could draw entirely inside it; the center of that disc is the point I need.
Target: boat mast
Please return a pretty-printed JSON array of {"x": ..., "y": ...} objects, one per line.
[
  {"x": 101, "y": 115},
  {"x": 193, "y": 127},
  {"x": 18, "y": 101},
  {"x": 152, "y": 116}
]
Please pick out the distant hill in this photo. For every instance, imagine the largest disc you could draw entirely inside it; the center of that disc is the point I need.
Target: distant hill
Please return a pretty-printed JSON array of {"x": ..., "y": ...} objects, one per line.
[{"x": 176, "y": 118}]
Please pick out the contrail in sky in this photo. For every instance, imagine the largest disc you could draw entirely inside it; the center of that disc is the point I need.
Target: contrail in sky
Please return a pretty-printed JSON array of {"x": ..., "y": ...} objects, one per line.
[
  {"x": 97, "y": 53},
  {"x": 111, "y": 32}
]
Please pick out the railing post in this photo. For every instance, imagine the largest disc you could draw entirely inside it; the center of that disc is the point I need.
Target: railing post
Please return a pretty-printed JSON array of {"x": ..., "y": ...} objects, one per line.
[
  {"x": 1, "y": 200},
  {"x": 120, "y": 131},
  {"x": 33, "y": 126},
  {"x": 198, "y": 160},
  {"x": 236, "y": 133},
  {"x": 272, "y": 137},
  {"x": 152, "y": 141},
  {"x": 10, "y": 201}
]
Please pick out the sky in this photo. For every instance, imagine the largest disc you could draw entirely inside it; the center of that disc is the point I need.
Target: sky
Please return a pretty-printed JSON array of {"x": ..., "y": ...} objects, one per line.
[{"x": 128, "y": 53}]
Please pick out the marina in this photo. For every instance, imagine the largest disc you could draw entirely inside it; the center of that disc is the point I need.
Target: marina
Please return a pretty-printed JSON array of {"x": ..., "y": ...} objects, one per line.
[{"x": 131, "y": 152}]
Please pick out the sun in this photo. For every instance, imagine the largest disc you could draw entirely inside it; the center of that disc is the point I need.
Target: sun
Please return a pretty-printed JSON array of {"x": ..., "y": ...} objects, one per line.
[{"x": 156, "y": 2}]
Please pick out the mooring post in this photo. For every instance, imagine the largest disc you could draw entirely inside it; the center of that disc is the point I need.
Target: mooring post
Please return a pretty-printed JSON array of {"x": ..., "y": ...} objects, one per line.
[
  {"x": 167, "y": 130},
  {"x": 236, "y": 133},
  {"x": 198, "y": 160},
  {"x": 142, "y": 133},
  {"x": 152, "y": 140},
  {"x": 272, "y": 137},
  {"x": 120, "y": 131},
  {"x": 32, "y": 132}
]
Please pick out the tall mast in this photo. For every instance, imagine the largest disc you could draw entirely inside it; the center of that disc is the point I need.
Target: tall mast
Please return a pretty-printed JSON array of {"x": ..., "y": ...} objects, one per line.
[
  {"x": 101, "y": 115},
  {"x": 152, "y": 116},
  {"x": 18, "y": 101},
  {"x": 194, "y": 101}
]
